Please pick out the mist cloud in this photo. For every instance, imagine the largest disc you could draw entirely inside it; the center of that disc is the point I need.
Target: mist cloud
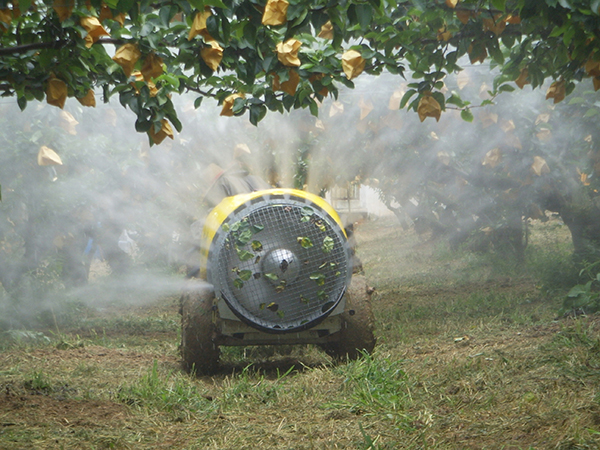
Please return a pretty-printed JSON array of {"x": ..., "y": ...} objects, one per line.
[{"x": 112, "y": 181}]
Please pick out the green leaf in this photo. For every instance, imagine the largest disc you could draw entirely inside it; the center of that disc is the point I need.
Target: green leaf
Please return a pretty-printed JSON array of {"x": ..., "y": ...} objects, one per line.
[
  {"x": 212, "y": 26},
  {"x": 250, "y": 34},
  {"x": 466, "y": 115},
  {"x": 576, "y": 101},
  {"x": 406, "y": 97},
  {"x": 142, "y": 125},
  {"x": 305, "y": 242},
  {"x": 245, "y": 275},
  {"x": 328, "y": 243},
  {"x": 580, "y": 289},
  {"x": 239, "y": 106},
  {"x": 24, "y": 5},
  {"x": 318, "y": 278},
  {"x": 134, "y": 105},
  {"x": 175, "y": 121},
  {"x": 215, "y": 3},
  {"x": 565, "y": 4},
  {"x": 165, "y": 16},
  {"x": 22, "y": 102},
  {"x": 314, "y": 108},
  {"x": 244, "y": 255},
  {"x": 271, "y": 276},
  {"x": 364, "y": 14},
  {"x": 238, "y": 283},
  {"x": 506, "y": 88},
  {"x": 288, "y": 102},
  {"x": 440, "y": 99},
  {"x": 124, "y": 5},
  {"x": 257, "y": 113},
  {"x": 244, "y": 237},
  {"x": 499, "y": 4},
  {"x": 307, "y": 213},
  {"x": 557, "y": 31},
  {"x": 455, "y": 99},
  {"x": 495, "y": 52},
  {"x": 508, "y": 40}
]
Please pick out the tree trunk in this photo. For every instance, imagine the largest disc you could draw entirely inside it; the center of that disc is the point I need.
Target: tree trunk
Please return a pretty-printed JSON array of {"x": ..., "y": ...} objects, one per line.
[
  {"x": 584, "y": 224},
  {"x": 581, "y": 213}
]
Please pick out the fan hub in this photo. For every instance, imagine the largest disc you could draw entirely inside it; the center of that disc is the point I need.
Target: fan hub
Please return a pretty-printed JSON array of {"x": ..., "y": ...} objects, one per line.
[{"x": 283, "y": 264}]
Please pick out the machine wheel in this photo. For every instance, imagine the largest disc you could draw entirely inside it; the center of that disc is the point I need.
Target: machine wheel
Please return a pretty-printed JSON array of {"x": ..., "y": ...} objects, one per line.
[
  {"x": 198, "y": 331},
  {"x": 356, "y": 334}
]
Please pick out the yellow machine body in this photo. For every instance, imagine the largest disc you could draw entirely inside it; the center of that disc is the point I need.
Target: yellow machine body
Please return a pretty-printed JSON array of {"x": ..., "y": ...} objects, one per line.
[{"x": 228, "y": 205}]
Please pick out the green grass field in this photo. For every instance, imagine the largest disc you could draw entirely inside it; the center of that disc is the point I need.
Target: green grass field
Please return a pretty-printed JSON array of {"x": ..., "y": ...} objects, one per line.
[{"x": 470, "y": 355}]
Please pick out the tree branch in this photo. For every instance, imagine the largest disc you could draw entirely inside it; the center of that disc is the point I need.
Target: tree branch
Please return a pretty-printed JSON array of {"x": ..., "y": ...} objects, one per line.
[
  {"x": 26, "y": 47},
  {"x": 201, "y": 92},
  {"x": 56, "y": 44}
]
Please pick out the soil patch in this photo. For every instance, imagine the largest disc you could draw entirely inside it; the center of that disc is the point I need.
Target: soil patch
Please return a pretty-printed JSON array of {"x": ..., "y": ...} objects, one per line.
[{"x": 19, "y": 408}]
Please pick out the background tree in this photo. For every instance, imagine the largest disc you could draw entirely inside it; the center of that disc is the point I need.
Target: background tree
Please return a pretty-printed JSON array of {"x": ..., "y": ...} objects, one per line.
[{"x": 480, "y": 182}]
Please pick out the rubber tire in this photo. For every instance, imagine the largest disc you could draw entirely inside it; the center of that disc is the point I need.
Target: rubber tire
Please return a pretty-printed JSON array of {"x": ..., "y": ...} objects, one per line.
[
  {"x": 356, "y": 335},
  {"x": 199, "y": 351}
]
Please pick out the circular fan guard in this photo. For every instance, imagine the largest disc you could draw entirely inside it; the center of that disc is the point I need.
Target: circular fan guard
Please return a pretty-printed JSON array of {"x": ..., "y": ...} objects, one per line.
[{"x": 280, "y": 263}]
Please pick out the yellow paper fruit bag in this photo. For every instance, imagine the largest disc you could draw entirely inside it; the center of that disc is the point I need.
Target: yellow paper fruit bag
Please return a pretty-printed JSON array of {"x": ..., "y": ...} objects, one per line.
[
  {"x": 212, "y": 55},
  {"x": 63, "y": 8},
  {"x": 88, "y": 99},
  {"x": 353, "y": 64},
  {"x": 56, "y": 92},
  {"x": 287, "y": 52},
  {"x": 429, "y": 107},
  {"x": 48, "y": 157},
  {"x": 94, "y": 28},
  {"x": 152, "y": 66},
  {"x": 199, "y": 26},
  {"x": 227, "y": 109},
  {"x": 275, "y": 12},
  {"x": 126, "y": 56},
  {"x": 160, "y": 135}
]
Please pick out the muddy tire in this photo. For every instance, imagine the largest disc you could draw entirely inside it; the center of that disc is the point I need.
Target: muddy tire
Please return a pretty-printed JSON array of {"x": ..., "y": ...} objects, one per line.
[
  {"x": 198, "y": 331},
  {"x": 356, "y": 334}
]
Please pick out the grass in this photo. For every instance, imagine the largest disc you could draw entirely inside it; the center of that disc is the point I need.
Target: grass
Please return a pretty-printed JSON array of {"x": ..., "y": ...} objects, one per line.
[
  {"x": 376, "y": 387},
  {"x": 470, "y": 355}
]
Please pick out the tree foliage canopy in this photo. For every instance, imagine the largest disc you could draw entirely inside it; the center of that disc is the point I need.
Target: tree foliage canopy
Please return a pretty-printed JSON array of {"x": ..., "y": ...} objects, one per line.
[{"x": 275, "y": 55}]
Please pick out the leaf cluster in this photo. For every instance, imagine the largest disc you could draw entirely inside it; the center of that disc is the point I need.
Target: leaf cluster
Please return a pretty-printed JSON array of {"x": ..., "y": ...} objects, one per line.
[{"x": 551, "y": 39}]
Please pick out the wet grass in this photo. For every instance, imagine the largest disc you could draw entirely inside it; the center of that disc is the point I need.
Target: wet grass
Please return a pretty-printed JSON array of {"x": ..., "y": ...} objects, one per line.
[{"x": 471, "y": 355}]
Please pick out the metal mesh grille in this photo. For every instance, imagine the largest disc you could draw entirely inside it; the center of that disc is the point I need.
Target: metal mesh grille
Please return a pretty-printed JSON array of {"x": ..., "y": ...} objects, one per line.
[{"x": 281, "y": 265}]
